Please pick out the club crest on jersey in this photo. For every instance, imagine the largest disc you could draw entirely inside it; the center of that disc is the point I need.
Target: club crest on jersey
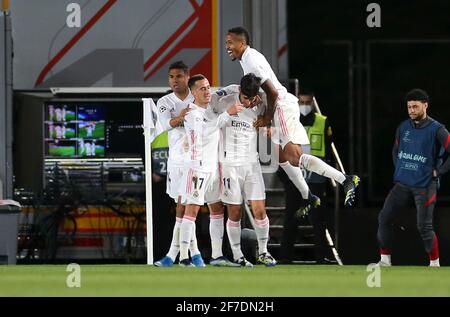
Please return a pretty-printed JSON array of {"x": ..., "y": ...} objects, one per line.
[
  {"x": 162, "y": 109},
  {"x": 221, "y": 93}
]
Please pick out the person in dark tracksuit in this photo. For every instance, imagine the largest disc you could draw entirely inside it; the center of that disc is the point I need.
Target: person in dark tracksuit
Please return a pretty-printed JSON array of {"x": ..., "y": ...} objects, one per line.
[{"x": 419, "y": 145}]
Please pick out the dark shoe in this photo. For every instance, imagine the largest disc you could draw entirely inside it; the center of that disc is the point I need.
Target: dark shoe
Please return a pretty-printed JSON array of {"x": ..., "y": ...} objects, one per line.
[
  {"x": 350, "y": 184},
  {"x": 185, "y": 263},
  {"x": 223, "y": 262},
  {"x": 312, "y": 202},
  {"x": 243, "y": 262},
  {"x": 266, "y": 259}
]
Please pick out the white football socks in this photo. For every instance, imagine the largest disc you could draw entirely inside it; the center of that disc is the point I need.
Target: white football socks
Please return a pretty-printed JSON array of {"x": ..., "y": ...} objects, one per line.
[
  {"x": 296, "y": 176},
  {"x": 216, "y": 229},
  {"x": 316, "y": 165},
  {"x": 234, "y": 236},
  {"x": 175, "y": 244},
  {"x": 186, "y": 230},
  {"x": 262, "y": 234}
]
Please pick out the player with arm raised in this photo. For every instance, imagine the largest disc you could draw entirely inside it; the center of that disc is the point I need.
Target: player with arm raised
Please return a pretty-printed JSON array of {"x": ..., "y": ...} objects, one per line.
[
  {"x": 202, "y": 180},
  {"x": 282, "y": 108}
]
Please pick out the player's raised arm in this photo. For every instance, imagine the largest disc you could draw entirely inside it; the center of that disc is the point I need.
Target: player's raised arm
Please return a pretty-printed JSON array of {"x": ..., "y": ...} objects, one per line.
[{"x": 272, "y": 96}]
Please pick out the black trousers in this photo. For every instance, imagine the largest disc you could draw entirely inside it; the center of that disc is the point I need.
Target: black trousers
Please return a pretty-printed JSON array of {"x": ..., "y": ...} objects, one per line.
[{"x": 402, "y": 196}]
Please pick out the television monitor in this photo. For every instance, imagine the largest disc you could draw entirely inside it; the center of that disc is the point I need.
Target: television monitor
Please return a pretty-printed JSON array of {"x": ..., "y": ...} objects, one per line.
[
  {"x": 60, "y": 112},
  {"x": 93, "y": 129},
  {"x": 61, "y": 148},
  {"x": 91, "y": 112},
  {"x": 60, "y": 131}
]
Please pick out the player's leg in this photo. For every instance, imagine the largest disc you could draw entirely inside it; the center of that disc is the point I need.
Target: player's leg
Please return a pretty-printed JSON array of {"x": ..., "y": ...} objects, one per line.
[
  {"x": 216, "y": 231},
  {"x": 290, "y": 152},
  {"x": 262, "y": 232},
  {"x": 282, "y": 135},
  {"x": 255, "y": 192},
  {"x": 231, "y": 195},
  {"x": 195, "y": 184},
  {"x": 187, "y": 229},
  {"x": 172, "y": 254},
  {"x": 297, "y": 158},
  {"x": 216, "y": 223},
  {"x": 196, "y": 256},
  {"x": 294, "y": 174},
  {"x": 216, "y": 217},
  {"x": 349, "y": 182},
  {"x": 287, "y": 119},
  {"x": 292, "y": 135},
  {"x": 398, "y": 197},
  {"x": 173, "y": 189},
  {"x": 176, "y": 189},
  {"x": 425, "y": 201},
  {"x": 234, "y": 234}
]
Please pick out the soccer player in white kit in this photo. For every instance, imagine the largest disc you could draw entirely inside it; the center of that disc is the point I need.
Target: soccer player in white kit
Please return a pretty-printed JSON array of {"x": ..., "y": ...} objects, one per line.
[
  {"x": 283, "y": 108},
  {"x": 241, "y": 172},
  {"x": 58, "y": 131},
  {"x": 202, "y": 181},
  {"x": 87, "y": 147},
  {"x": 93, "y": 147},
  {"x": 172, "y": 109},
  {"x": 89, "y": 129}
]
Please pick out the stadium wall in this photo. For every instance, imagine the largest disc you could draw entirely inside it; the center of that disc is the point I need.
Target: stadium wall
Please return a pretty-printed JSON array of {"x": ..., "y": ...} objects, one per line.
[{"x": 131, "y": 43}]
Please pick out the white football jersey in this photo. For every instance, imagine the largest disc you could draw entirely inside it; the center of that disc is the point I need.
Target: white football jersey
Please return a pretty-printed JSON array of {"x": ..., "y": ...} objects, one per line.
[
  {"x": 169, "y": 107},
  {"x": 254, "y": 62},
  {"x": 203, "y": 133},
  {"x": 238, "y": 145}
]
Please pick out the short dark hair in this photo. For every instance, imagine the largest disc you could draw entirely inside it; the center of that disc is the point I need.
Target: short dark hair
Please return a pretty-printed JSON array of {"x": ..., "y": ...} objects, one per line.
[
  {"x": 306, "y": 91},
  {"x": 241, "y": 31},
  {"x": 417, "y": 95},
  {"x": 250, "y": 85},
  {"x": 195, "y": 79},
  {"x": 179, "y": 65}
]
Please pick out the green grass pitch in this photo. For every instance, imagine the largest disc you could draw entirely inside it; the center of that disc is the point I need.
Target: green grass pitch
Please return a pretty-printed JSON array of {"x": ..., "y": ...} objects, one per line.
[
  {"x": 282, "y": 280},
  {"x": 62, "y": 151}
]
